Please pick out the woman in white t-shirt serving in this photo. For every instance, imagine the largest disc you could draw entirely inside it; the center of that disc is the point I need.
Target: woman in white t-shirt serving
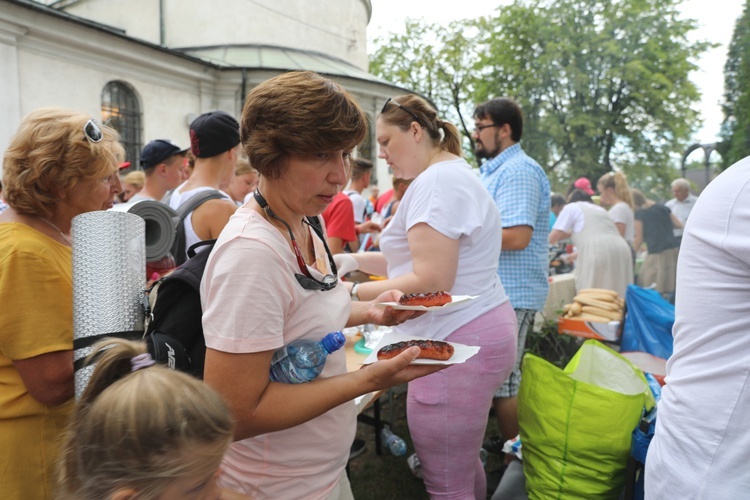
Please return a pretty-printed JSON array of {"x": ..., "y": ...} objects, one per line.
[
  {"x": 271, "y": 280},
  {"x": 445, "y": 236},
  {"x": 604, "y": 259}
]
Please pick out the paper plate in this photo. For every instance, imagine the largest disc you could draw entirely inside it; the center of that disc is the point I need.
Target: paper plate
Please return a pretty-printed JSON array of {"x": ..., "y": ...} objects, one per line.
[
  {"x": 460, "y": 354},
  {"x": 457, "y": 299}
]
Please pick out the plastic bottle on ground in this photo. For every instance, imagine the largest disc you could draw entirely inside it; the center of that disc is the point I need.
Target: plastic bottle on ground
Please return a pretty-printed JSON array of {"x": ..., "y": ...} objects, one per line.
[
  {"x": 395, "y": 444},
  {"x": 304, "y": 359}
]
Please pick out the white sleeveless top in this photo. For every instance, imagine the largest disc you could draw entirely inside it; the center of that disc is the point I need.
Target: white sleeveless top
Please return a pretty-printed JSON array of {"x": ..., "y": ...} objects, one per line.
[{"x": 177, "y": 199}]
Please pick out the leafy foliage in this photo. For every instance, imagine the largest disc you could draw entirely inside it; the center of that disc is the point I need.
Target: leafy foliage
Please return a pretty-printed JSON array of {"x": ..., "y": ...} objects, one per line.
[
  {"x": 736, "y": 126},
  {"x": 437, "y": 62},
  {"x": 549, "y": 345},
  {"x": 603, "y": 83}
]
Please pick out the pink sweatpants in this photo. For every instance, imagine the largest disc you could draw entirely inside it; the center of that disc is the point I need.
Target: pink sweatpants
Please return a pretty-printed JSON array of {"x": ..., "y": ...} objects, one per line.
[{"x": 447, "y": 411}]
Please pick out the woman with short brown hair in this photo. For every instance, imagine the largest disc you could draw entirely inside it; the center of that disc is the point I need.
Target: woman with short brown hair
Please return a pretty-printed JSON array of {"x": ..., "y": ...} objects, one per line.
[{"x": 299, "y": 130}]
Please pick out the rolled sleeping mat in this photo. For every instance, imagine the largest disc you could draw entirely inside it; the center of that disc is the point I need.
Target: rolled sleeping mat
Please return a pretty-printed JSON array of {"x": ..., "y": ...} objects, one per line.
[
  {"x": 160, "y": 226},
  {"x": 109, "y": 277}
]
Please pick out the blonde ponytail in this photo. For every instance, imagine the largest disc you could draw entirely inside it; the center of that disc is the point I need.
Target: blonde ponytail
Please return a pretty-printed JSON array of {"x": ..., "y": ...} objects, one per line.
[
  {"x": 618, "y": 182},
  {"x": 140, "y": 427}
]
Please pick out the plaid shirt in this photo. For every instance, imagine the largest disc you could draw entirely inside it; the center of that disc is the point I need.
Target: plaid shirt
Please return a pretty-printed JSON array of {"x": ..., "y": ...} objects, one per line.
[{"x": 522, "y": 194}]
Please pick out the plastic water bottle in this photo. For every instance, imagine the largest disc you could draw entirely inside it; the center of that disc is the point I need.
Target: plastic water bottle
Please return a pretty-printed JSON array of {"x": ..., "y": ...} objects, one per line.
[
  {"x": 304, "y": 359},
  {"x": 395, "y": 444}
]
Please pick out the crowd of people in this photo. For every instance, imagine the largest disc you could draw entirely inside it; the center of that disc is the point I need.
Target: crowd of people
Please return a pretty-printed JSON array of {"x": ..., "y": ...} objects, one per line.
[
  {"x": 650, "y": 233},
  {"x": 286, "y": 200}
]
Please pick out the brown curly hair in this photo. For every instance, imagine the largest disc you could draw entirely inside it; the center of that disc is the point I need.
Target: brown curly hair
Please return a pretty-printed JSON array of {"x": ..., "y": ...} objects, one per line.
[{"x": 50, "y": 154}]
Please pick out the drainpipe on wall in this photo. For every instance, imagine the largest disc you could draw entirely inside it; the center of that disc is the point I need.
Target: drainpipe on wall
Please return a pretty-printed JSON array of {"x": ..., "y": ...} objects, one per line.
[{"x": 162, "y": 36}]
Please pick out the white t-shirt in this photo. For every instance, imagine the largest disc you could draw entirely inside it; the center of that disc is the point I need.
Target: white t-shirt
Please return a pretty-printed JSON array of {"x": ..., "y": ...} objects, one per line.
[
  {"x": 702, "y": 443},
  {"x": 623, "y": 214},
  {"x": 252, "y": 303},
  {"x": 451, "y": 200},
  {"x": 359, "y": 205},
  {"x": 571, "y": 218},
  {"x": 681, "y": 210}
]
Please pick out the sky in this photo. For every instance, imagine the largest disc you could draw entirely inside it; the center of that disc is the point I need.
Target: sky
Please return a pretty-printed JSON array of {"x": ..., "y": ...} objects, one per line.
[{"x": 716, "y": 20}]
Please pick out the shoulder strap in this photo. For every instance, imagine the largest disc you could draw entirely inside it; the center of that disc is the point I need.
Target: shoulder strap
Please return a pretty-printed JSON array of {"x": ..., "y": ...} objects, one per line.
[
  {"x": 194, "y": 248},
  {"x": 178, "y": 244},
  {"x": 315, "y": 222},
  {"x": 85, "y": 342},
  {"x": 167, "y": 197},
  {"x": 195, "y": 201},
  {"x": 189, "y": 273}
]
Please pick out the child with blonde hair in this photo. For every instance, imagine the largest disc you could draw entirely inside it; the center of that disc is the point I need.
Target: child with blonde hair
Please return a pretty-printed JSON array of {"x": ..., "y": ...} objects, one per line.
[{"x": 143, "y": 431}]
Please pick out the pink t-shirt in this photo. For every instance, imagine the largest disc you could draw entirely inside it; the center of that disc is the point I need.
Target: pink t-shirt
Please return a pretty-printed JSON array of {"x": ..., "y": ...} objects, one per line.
[{"x": 252, "y": 302}]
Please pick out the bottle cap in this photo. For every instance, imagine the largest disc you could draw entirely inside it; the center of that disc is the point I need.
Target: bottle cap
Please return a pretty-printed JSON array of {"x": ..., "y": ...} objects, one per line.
[{"x": 333, "y": 341}]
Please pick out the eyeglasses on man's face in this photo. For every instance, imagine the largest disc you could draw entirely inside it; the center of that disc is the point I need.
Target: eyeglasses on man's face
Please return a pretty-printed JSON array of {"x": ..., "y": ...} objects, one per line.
[
  {"x": 478, "y": 128},
  {"x": 391, "y": 101}
]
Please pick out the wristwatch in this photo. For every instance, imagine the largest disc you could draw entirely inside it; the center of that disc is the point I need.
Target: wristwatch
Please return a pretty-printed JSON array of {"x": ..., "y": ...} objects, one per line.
[{"x": 354, "y": 291}]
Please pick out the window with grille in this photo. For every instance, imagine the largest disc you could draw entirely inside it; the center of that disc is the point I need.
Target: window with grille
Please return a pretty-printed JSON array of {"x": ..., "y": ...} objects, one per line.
[{"x": 121, "y": 111}]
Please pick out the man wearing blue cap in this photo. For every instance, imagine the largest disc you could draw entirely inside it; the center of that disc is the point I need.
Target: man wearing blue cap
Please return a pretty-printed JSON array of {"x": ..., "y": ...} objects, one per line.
[{"x": 162, "y": 161}]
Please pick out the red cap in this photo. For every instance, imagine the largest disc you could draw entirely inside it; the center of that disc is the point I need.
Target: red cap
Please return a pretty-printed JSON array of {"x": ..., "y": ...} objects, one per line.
[{"x": 584, "y": 185}]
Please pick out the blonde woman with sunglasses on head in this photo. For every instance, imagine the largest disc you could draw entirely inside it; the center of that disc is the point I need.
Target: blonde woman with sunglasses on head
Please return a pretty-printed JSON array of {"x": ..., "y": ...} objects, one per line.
[
  {"x": 445, "y": 236},
  {"x": 60, "y": 164}
]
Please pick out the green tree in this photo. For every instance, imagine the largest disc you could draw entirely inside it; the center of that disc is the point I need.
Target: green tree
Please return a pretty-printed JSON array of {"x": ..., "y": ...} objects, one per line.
[
  {"x": 735, "y": 131},
  {"x": 610, "y": 80},
  {"x": 436, "y": 62},
  {"x": 603, "y": 83}
]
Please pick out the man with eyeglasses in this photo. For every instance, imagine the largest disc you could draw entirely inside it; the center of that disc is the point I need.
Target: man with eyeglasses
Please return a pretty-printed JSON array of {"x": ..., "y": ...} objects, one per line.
[{"x": 522, "y": 193}]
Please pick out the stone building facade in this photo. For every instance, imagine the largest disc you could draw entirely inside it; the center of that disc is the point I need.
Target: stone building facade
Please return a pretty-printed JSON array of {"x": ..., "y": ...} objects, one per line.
[{"x": 150, "y": 66}]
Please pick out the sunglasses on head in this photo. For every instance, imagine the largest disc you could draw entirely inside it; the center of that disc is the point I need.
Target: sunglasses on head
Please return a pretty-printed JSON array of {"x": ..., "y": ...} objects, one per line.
[
  {"x": 391, "y": 101},
  {"x": 305, "y": 279},
  {"x": 92, "y": 131}
]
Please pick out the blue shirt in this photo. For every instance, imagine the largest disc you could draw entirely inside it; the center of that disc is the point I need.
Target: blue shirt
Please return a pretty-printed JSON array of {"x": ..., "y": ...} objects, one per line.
[{"x": 522, "y": 194}]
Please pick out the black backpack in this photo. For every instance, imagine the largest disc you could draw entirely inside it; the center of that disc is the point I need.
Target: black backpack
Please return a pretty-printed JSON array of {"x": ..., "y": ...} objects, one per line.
[
  {"x": 174, "y": 328},
  {"x": 178, "y": 245},
  {"x": 174, "y": 333}
]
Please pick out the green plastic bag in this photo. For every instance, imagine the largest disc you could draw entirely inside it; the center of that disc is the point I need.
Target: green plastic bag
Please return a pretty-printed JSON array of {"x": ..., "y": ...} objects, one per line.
[{"x": 576, "y": 424}]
